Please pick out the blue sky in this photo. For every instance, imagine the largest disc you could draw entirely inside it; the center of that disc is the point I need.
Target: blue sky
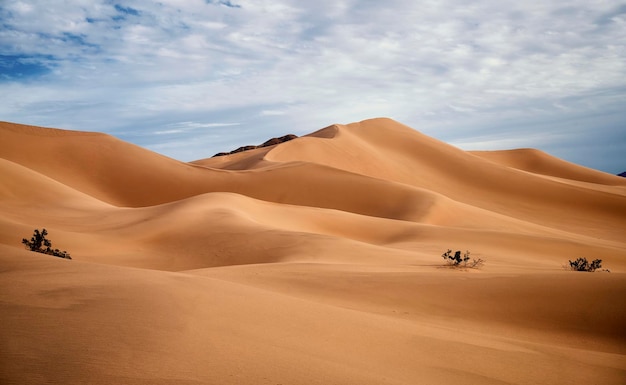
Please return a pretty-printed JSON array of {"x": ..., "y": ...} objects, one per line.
[{"x": 190, "y": 78}]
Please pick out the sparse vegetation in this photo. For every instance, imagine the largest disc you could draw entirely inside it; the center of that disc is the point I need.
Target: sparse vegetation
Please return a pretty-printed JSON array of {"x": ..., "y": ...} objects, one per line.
[
  {"x": 458, "y": 260},
  {"x": 39, "y": 244},
  {"x": 581, "y": 264}
]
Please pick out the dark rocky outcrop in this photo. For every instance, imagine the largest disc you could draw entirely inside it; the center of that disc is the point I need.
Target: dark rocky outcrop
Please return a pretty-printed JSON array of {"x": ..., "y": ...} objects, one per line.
[
  {"x": 268, "y": 143},
  {"x": 623, "y": 174}
]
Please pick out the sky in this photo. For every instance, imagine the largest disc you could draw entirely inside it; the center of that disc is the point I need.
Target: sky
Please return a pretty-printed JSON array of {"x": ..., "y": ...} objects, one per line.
[{"x": 190, "y": 78}]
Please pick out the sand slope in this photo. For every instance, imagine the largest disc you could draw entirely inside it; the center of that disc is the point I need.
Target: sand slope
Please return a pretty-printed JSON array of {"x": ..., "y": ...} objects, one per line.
[{"x": 314, "y": 261}]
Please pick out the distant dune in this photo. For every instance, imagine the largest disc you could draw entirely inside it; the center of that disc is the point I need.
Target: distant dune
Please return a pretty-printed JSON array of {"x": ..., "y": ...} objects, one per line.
[{"x": 315, "y": 260}]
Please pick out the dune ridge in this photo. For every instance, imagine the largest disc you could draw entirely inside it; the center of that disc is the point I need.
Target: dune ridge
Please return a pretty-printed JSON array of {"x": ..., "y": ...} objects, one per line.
[
  {"x": 539, "y": 162},
  {"x": 315, "y": 260}
]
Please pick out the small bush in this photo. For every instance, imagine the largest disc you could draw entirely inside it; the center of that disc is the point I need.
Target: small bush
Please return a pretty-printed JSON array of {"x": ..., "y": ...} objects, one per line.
[
  {"x": 581, "y": 264},
  {"x": 458, "y": 260},
  {"x": 39, "y": 244}
]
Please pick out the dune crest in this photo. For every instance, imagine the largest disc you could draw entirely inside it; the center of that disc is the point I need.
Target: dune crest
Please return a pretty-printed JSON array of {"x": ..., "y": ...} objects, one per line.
[
  {"x": 538, "y": 162},
  {"x": 315, "y": 260}
]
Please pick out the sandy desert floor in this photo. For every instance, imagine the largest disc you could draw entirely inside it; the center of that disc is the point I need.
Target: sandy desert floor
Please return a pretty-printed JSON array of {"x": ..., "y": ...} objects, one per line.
[{"x": 314, "y": 261}]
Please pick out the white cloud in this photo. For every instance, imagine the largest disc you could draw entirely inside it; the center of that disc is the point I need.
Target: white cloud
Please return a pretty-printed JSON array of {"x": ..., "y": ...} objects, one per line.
[
  {"x": 272, "y": 112},
  {"x": 450, "y": 68}
]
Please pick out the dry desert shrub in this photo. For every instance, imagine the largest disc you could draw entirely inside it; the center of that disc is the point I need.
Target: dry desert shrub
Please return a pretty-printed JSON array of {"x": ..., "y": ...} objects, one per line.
[
  {"x": 458, "y": 260},
  {"x": 581, "y": 264},
  {"x": 39, "y": 244}
]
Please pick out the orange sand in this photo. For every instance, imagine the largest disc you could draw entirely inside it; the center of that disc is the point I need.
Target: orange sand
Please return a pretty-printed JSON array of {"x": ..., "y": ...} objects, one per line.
[{"x": 315, "y": 261}]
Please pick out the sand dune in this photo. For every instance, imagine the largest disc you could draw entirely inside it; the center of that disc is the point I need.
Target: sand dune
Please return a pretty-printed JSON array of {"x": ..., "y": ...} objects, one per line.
[
  {"x": 538, "y": 162},
  {"x": 314, "y": 261},
  {"x": 403, "y": 155}
]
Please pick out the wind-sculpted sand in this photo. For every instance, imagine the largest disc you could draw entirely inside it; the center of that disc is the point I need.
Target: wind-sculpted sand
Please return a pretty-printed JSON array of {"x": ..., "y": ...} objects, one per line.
[{"x": 314, "y": 261}]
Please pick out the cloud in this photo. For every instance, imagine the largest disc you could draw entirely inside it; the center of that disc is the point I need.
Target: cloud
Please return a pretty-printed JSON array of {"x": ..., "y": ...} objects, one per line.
[
  {"x": 225, "y": 3},
  {"x": 181, "y": 127},
  {"x": 462, "y": 72},
  {"x": 126, "y": 11},
  {"x": 272, "y": 113},
  {"x": 616, "y": 15}
]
